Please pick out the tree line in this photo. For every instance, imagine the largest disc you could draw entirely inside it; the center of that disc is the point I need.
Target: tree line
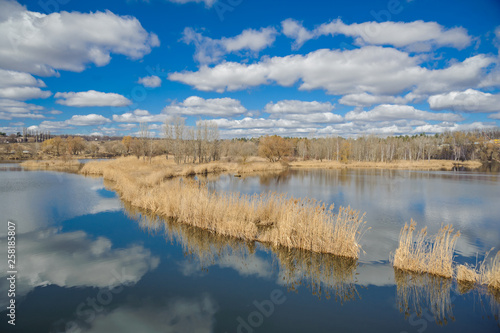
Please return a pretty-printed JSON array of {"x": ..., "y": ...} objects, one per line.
[{"x": 202, "y": 143}]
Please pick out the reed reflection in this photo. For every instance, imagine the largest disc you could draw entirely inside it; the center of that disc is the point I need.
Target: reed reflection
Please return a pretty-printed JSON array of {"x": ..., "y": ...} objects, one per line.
[
  {"x": 325, "y": 275},
  {"x": 417, "y": 293}
]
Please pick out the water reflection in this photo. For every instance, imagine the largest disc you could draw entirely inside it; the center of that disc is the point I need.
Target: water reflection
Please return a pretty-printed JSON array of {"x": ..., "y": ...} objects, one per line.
[
  {"x": 468, "y": 200},
  {"x": 74, "y": 259},
  {"x": 424, "y": 294},
  {"x": 324, "y": 275},
  {"x": 148, "y": 316}
]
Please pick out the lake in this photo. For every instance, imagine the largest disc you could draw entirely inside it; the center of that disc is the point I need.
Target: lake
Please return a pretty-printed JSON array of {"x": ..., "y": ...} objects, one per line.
[{"x": 87, "y": 262}]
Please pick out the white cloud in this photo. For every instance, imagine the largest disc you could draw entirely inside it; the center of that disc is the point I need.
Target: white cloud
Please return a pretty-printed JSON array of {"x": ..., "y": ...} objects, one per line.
[
  {"x": 208, "y": 3},
  {"x": 150, "y": 81},
  {"x": 18, "y": 79},
  {"x": 76, "y": 120},
  {"x": 294, "y": 29},
  {"x": 365, "y": 99},
  {"x": 91, "y": 98},
  {"x": 494, "y": 116},
  {"x": 445, "y": 127},
  {"x": 87, "y": 120},
  {"x": 396, "y": 112},
  {"x": 417, "y": 36},
  {"x": 294, "y": 106},
  {"x": 302, "y": 111},
  {"x": 41, "y": 44},
  {"x": 256, "y": 123},
  {"x": 197, "y": 106},
  {"x": 16, "y": 109},
  {"x": 371, "y": 69},
  {"x": 20, "y": 86},
  {"x": 210, "y": 50},
  {"x": 469, "y": 100},
  {"x": 23, "y": 93},
  {"x": 139, "y": 116}
]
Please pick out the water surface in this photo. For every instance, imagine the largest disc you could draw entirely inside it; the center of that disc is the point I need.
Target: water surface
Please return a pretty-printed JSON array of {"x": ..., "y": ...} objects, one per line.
[{"x": 89, "y": 263}]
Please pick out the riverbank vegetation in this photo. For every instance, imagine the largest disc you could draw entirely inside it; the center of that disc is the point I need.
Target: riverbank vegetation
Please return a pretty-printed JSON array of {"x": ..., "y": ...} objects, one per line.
[
  {"x": 202, "y": 143},
  {"x": 270, "y": 218}
]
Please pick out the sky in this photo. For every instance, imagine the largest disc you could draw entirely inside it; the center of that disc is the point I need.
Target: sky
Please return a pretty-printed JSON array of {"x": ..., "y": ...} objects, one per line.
[{"x": 292, "y": 68}]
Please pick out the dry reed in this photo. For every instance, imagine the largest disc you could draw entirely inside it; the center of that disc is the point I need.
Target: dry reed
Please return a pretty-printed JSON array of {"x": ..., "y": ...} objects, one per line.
[
  {"x": 487, "y": 274},
  {"x": 400, "y": 164},
  {"x": 56, "y": 165},
  {"x": 420, "y": 254},
  {"x": 269, "y": 218}
]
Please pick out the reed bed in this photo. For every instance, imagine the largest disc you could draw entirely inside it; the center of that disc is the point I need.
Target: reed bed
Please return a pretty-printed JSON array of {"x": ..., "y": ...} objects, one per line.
[
  {"x": 417, "y": 293},
  {"x": 56, "y": 165},
  {"x": 420, "y": 254},
  {"x": 268, "y": 218},
  {"x": 400, "y": 164},
  {"x": 487, "y": 273}
]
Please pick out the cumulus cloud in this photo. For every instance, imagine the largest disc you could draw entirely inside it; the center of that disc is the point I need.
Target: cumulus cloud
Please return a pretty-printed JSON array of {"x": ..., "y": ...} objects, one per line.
[
  {"x": 469, "y": 100},
  {"x": 210, "y": 50},
  {"x": 197, "y": 106},
  {"x": 450, "y": 127},
  {"x": 41, "y": 44},
  {"x": 87, "y": 120},
  {"x": 91, "y": 98},
  {"x": 76, "y": 120},
  {"x": 21, "y": 86},
  {"x": 152, "y": 81},
  {"x": 371, "y": 69},
  {"x": 16, "y": 109},
  {"x": 365, "y": 99},
  {"x": 294, "y": 106},
  {"x": 417, "y": 36},
  {"x": 295, "y": 30},
  {"x": 396, "y": 112},
  {"x": 139, "y": 116}
]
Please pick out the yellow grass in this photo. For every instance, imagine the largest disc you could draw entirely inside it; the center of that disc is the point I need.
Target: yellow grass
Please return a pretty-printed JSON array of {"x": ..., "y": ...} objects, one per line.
[
  {"x": 487, "y": 274},
  {"x": 269, "y": 218},
  {"x": 58, "y": 165},
  {"x": 405, "y": 165},
  {"x": 420, "y": 254}
]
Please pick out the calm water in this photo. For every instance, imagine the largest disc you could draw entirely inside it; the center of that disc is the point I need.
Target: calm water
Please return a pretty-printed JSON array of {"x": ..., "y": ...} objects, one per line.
[{"x": 88, "y": 263}]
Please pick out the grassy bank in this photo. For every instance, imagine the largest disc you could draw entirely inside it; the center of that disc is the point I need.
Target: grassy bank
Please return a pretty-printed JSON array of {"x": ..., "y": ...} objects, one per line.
[
  {"x": 268, "y": 218},
  {"x": 403, "y": 165}
]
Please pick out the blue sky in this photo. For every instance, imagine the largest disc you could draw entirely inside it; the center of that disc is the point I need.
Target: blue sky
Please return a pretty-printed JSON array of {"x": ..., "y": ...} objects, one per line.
[{"x": 293, "y": 68}]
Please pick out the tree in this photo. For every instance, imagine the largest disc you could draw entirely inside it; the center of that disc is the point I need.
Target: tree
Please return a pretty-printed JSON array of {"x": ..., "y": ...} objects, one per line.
[
  {"x": 127, "y": 141},
  {"x": 273, "y": 148}
]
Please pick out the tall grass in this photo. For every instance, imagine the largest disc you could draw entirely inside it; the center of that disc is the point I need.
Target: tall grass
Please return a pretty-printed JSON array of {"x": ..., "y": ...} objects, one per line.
[
  {"x": 420, "y": 254},
  {"x": 269, "y": 218},
  {"x": 487, "y": 273}
]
